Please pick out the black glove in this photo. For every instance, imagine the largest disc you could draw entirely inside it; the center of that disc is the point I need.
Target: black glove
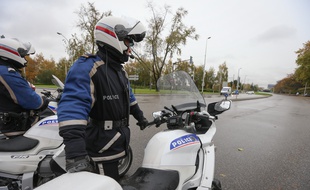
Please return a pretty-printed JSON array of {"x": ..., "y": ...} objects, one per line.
[
  {"x": 44, "y": 105},
  {"x": 142, "y": 123},
  {"x": 138, "y": 115},
  {"x": 83, "y": 163}
]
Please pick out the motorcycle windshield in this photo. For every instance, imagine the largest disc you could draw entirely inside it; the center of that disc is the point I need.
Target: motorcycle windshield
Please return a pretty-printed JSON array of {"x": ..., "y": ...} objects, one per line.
[
  {"x": 57, "y": 82},
  {"x": 178, "y": 89}
]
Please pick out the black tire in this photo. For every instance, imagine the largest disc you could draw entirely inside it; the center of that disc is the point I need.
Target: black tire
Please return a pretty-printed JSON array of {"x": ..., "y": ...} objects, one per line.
[
  {"x": 125, "y": 163},
  {"x": 216, "y": 185}
]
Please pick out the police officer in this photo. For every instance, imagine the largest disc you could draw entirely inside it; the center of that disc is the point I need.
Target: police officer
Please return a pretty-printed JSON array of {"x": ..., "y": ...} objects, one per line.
[
  {"x": 17, "y": 98},
  {"x": 94, "y": 110}
]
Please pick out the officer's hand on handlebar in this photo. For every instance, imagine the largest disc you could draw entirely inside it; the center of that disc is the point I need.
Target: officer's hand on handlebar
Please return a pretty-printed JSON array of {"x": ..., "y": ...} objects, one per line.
[
  {"x": 143, "y": 123},
  {"x": 44, "y": 104}
]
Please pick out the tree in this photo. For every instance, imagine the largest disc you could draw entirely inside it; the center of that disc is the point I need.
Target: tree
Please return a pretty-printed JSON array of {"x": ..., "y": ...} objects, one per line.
[
  {"x": 60, "y": 68},
  {"x": 287, "y": 85},
  {"x": 160, "y": 49},
  {"x": 222, "y": 74},
  {"x": 210, "y": 79},
  {"x": 46, "y": 69},
  {"x": 85, "y": 42},
  {"x": 88, "y": 18},
  {"x": 302, "y": 72},
  {"x": 198, "y": 75},
  {"x": 134, "y": 68},
  {"x": 183, "y": 66},
  {"x": 31, "y": 70}
]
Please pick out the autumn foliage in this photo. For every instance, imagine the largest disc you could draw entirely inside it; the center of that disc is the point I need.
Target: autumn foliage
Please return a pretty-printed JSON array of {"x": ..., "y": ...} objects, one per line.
[
  {"x": 298, "y": 81},
  {"x": 40, "y": 70}
]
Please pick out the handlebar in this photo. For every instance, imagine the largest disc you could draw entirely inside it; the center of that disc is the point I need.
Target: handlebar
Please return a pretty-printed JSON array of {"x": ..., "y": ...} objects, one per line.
[
  {"x": 46, "y": 93},
  {"x": 175, "y": 121},
  {"x": 51, "y": 96},
  {"x": 155, "y": 122}
]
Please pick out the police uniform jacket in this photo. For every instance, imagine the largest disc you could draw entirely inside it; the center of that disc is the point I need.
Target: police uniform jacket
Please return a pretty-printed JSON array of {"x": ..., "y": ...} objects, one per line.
[
  {"x": 96, "y": 94},
  {"x": 15, "y": 96}
]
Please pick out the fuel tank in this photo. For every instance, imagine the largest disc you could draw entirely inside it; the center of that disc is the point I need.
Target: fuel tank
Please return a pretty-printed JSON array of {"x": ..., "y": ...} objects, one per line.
[{"x": 173, "y": 150}]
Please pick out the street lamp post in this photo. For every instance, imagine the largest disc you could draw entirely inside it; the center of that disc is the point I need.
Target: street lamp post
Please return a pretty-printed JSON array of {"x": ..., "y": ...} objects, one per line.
[
  {"x": 244, "y": 81},
  {"x": 238, "y": 80},
  {"x": 68, "y": 51},
  {"x": 204, "y": 66}
]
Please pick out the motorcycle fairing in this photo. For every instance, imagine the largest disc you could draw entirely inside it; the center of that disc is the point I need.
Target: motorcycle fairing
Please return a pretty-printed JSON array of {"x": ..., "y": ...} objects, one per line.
[
  {"x": 53, "y": 108},
  {"x": 164, "y": 156},
  {"x": 44, "y": 139},
  {"x": 46, "y": 128}
]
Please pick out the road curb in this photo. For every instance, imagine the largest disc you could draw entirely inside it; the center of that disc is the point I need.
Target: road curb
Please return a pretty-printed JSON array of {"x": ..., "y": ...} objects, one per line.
[
  {"x": 234, "y": 98},
  {"x": 251, "y": 98}
]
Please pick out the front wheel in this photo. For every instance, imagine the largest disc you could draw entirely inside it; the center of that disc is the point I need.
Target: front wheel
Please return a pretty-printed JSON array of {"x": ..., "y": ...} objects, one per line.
[
  {"x": 125, "y": 163},
  {"x": 216, "y": 185}
]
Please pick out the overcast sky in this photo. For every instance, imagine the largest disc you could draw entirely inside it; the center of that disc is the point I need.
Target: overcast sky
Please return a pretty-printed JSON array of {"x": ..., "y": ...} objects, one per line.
[{"x": 258, "y": 38}]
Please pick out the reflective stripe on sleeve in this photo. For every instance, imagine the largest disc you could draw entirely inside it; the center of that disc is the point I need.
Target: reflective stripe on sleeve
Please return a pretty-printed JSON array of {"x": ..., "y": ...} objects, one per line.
[
  {"x": 133, "y": 103},
  {"x": 72, "y": 122}
]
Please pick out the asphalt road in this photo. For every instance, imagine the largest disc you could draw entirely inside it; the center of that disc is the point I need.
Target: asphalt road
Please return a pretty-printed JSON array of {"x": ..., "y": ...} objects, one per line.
[{"x": 261, "y": 143}]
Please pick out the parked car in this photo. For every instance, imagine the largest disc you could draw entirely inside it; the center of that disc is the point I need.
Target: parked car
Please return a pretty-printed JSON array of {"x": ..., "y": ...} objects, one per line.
[
  {"x": 250, "y": 92},
  {"x": 226, "y": 90}
]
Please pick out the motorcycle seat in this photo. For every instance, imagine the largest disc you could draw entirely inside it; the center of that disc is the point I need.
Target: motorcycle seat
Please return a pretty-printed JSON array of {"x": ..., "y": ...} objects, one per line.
[
  {"x": 17, "y": 144},
  {"x": 151, "y": 179}
]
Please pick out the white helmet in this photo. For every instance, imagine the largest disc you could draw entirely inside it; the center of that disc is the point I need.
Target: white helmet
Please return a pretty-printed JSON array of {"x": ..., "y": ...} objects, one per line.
[
  {"x": 14, "y": 51},
  {"x": 113, "y": 30}
]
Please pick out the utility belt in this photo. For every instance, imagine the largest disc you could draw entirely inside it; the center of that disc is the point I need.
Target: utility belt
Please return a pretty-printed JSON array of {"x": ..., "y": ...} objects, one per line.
[
  {"x": 7, "y": 117},
  {"x": 109, "y": 124},
  {"x": 18, "y": 120}
]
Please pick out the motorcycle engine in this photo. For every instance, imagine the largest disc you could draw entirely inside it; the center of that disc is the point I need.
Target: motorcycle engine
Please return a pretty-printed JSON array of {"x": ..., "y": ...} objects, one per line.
[{"x": 8, "y": 183}]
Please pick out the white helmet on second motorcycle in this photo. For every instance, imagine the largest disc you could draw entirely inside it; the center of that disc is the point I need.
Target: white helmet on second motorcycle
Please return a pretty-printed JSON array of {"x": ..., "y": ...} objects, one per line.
[
  {"x": 113, "y": 31},
  {"x": 14, "y": 51}
]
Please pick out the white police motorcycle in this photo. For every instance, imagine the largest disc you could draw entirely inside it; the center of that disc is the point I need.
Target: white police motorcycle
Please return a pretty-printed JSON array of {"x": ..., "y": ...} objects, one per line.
[{"x": 180, "y": 157}]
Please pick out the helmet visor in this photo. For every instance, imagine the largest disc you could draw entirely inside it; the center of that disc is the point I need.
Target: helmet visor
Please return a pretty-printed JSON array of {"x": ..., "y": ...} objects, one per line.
[
  {"x": 136, "y": 32},
  {"x": 121, "y": 31},
  {"x": 138, "y": 37},
  {"x": 25, "y": 50}
]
